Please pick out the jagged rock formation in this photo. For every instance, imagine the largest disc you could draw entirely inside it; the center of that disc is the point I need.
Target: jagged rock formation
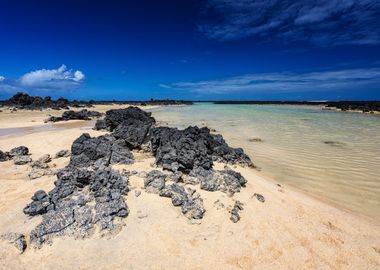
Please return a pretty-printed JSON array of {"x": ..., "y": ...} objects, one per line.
[
  {"x": 103, "y": 150},
  {"x": 189, "y": 200},
  {"x": 89, "y": 193},
  {"x": 73, "y": 115},
  {"x": 81, "y": 199}
]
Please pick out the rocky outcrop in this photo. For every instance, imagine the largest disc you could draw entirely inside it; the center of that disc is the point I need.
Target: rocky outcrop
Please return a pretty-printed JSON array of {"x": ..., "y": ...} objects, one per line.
[
  {"x": 89, "y": 192},
  {"x": 115, "y": 117},
  {"x": 102, "y": 150},
  {"x": 81, "y": 198},
  {"x": 184, "y": 150},
  {"x": 73, "y": 115}
]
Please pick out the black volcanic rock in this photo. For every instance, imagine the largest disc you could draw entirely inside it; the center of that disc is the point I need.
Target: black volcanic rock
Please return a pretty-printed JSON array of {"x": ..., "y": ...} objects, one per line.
[
  {"x": 117, "y": 116},
  {"x": 102, "y": 150},
  {"x": 73, "y": 115},
  {"x": 70, "y": 210},
  {"x": 190, "y": 201},
  {"x": 89, "y": 193},
  {"x": 4, "y": 156},
  {"x": 183, "y": 150},
  {"x": 19, "y": 151}
]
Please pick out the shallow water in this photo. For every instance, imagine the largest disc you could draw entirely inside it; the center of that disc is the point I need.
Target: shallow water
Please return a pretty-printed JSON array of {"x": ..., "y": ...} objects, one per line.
[{"x": 333, "y": 155}]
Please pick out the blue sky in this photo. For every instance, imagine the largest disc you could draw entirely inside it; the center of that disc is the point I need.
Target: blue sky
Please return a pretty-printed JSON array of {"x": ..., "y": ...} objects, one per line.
[{"x": 198, "y": 50}]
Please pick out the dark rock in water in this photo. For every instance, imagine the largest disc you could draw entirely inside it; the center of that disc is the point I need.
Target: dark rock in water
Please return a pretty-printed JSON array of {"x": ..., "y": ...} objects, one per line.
[
  {"x": 4, "y": 156},
  {"x": 221, "y": 152},
  {"x": 334, "y": 143},
  {"x": 190, "y": 201},
  {"x": 102, "y": 150},
  {"x": 154, "y": 181},
  {"x": 255, "y": 140},
  {"x": 68, "y": 208},
  {"x": 19, "y": 151},
  {"x": 17, "y": 239},
  {"x": 181, "y": 150},
  {"x": 235, "y": 217},
  {"x": 259, "y": 197},
  {"x": 116, "y": 117},
  {"x": 62, "y": 153},
  {"x": 192, "y": 147},
  {"x": 21, "y": 160},
  {"x": 73, "y": 115}
]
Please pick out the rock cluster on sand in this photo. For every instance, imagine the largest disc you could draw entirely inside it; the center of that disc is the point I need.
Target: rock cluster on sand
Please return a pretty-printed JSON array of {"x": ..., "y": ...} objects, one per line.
[
  {"x": 89, "y": 193},
  {"x": 73, "y": 115},
  {"x": 19, "y": 155}
]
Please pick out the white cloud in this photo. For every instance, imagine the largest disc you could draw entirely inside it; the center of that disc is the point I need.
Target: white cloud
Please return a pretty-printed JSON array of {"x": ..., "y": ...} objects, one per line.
[
  {"x": 60, "y": 78},
  {"x": 78, "y": 76},
  {"x": 2, "y": 78},
  {"x": 284, "y": 82}
]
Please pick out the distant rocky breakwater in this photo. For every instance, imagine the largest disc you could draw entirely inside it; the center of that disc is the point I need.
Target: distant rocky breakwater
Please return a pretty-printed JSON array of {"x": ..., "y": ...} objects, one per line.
[
  {"x": 24, "y": 101},
  {"x": 89, "y": 194}
]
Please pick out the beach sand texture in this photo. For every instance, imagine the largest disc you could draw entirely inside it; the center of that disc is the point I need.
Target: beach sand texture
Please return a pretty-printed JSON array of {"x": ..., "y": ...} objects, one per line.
[{"x": 290, "y": 230}]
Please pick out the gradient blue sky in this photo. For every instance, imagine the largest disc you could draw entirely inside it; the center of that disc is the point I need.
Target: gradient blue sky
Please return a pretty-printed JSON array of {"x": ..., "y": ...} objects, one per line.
[{"x": 198, "y": 50}]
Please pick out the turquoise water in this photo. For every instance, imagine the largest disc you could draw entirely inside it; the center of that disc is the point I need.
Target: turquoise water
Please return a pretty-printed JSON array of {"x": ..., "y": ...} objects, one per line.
[{"x": 333, "y": 155}]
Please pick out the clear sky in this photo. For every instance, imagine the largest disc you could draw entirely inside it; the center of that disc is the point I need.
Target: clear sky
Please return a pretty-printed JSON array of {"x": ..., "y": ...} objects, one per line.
[{"x": 198, "y": 50}]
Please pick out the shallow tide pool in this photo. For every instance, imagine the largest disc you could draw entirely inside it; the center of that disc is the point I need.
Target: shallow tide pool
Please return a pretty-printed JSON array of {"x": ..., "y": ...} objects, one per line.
[{"x": 332, "y": 155}]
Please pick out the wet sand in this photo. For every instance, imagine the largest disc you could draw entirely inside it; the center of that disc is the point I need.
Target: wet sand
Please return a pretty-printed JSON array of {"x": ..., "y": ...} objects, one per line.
[{"x": 290, "y": 230}]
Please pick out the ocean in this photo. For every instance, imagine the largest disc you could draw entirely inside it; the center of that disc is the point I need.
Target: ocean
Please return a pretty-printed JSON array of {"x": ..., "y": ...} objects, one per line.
[{"x": 331, "y": 155}]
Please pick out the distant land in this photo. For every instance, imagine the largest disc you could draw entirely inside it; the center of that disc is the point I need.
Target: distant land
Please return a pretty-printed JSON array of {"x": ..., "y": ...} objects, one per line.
[{"x": 25, "y": 101}]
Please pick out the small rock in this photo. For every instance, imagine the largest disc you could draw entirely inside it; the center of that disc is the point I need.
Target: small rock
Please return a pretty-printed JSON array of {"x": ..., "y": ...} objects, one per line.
[
  {"x": 4, "y": 156},
  {"x": 17, "y": 239},
  {"x": 137, "y": 193},
  {"x": 255, "y": 140},
  {"x": 21, "y": 160},
  {"x": 154, "y": 181},
  {"x": 62, "y": 153},
  {"x": 235, "y": 217},
  {"x": 259, "y": 197},
  {"x": 19, "y": 151}
]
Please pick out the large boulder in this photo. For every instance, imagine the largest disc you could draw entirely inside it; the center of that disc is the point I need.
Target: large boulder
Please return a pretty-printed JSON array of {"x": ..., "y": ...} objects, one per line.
[
  {"x": 117, "y": 116},
  {"x": 102, "y": 150}
]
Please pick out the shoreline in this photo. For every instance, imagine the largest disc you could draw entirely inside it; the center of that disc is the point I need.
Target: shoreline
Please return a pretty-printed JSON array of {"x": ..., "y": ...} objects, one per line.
[
  {"x": 324, "y": 220},
  {"x": 28, "y": 128}
]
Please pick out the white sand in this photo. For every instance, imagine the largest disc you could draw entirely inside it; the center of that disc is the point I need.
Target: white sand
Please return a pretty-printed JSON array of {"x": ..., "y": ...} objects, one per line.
[{"x": 290, "y": 230}]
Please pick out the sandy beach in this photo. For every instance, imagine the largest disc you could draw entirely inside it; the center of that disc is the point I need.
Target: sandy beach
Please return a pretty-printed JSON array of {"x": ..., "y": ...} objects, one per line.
[{"x": 290, "y": 230}]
